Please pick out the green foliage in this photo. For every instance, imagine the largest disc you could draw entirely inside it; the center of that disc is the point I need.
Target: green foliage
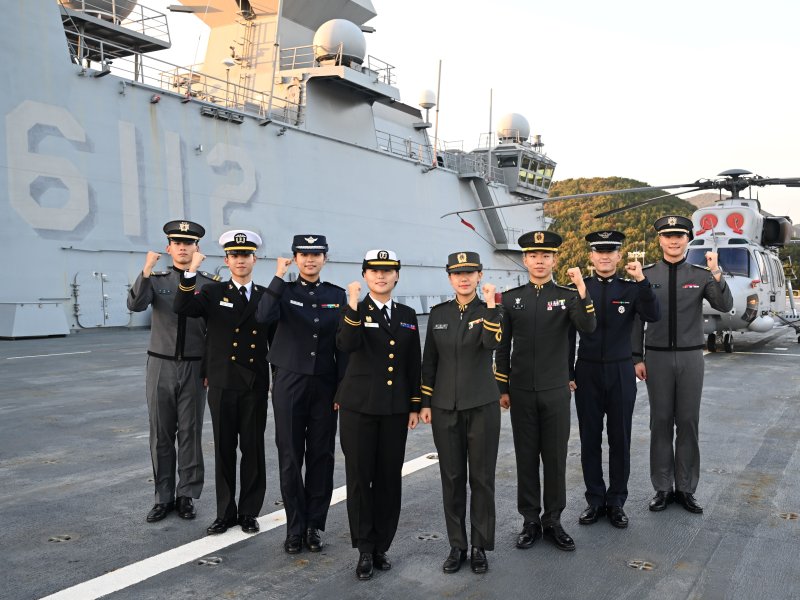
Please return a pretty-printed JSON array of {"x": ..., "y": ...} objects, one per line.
[
  {"x": 575, "y": 218},
  {"x": 791, "y": 254}
]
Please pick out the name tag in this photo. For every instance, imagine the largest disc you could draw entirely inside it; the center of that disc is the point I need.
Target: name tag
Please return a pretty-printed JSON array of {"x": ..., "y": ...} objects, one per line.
[
  {"x": 228, "y": 304},
  {"x": 371, "y": 325},
  {"x": 440, "y": 326},
  {"x": 295, "y": 302}
]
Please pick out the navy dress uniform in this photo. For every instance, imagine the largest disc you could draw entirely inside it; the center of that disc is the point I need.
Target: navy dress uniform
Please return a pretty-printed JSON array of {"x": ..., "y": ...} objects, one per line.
[
  {"x": 606, "y": 382},
  {"x": 672, "y": 350},
  {"x": 307, "y": 367},
  {"x": 238, "y": 383},
  {"x": 535, "y": 374},
  {"x": 174, "y": 383},
  {"x": 458, "y": 385},
  {"x": 379, "y": 390}
]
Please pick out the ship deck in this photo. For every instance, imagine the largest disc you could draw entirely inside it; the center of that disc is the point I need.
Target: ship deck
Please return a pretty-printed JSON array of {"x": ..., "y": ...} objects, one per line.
[{"x": 75, "y": 485}]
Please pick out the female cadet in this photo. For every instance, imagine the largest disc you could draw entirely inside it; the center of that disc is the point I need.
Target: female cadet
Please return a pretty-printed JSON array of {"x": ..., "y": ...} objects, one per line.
[
  {"x": 379, "y": 401},
  {"x": 461, "y": 401}
]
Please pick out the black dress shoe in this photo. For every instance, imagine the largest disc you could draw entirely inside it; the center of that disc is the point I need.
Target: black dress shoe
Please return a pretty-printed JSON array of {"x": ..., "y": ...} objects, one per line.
[
  {"x": 312, "y": 539},
  {"x": 557, "y": 535},
  {"x": 249, "y": 524},
  {"x": 381, "y": 561},
  {"x": 590, "y": 514},
  {"x": 159, "y": 511},
  {"x": 454, "y": 560},
  {"x": 688, "y": 501},
  {"x": 185, "y": 507},
  {"x": 617, "y": 517},
  {"x": 477, "y": 560},
  {"x": 661, "y": 500},
  {"x": 293, "y": 544},
  {"x": 364, "y": 567},
  {"x": 220, "y": 526},
  {"x": 530, "y": 533}
]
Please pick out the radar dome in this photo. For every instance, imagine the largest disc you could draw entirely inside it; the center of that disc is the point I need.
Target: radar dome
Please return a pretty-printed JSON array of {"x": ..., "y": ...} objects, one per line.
[
  {"x": 427, "y": 99},
  {"x": 340, "y": 31},
  {"x": 513, "y": 126},
  {"x": 104, "y": 9}
]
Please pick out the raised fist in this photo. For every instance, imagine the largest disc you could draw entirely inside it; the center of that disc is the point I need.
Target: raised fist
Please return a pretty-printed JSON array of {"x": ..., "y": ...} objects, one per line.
[
  {"x": 283, "y": 266},
  {"x": 353, "y": 294},
  {"x": 489, "y": 290},
  {"x": 634, "y": 269},
  {"x": 197, "y": 260},
  {"x": 150, "y": 261},
  {"x": 712, "y": 260}
]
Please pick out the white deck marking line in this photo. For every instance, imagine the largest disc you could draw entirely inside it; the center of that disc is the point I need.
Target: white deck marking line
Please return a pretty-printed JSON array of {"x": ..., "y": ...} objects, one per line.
[
  {"x": 132, "y": 574},
  {"x": 46, "y": 355},
  {"x": 768, "y": 353}
]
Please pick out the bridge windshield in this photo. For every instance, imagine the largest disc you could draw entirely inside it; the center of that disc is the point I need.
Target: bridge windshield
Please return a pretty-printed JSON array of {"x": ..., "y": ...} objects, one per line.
[{"x": 733, "y": 261}]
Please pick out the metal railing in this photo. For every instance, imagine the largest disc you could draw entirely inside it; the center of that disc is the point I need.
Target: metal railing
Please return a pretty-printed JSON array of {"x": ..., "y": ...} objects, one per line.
[
  {"x": 125, "y": 13},
  {"x": 305, "y": 57},
  {"x": 400, "y": 146}
]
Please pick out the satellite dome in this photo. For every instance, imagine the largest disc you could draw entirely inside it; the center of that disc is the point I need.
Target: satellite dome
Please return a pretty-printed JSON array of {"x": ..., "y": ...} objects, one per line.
[
  {"x": 513, "y": 127},
  {"x": 427, "y": 99},
  {"x": 340, "y": 31},
  {"x": 104, "y": 9}
]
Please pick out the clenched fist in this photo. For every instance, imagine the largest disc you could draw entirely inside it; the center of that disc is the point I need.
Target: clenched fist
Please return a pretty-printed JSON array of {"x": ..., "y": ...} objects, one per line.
[
  {"x": 488, "y": 290},
  {"x": 197, "y": 260},
  {"x": 353, "y": 294},
  {"x": 634, "y": 269},
  {"x": 574, "y": 274},
  {"x": 283, "y": 266},
  {"x": 149, "y": 262},
  {"x": 712, "y": 260}
]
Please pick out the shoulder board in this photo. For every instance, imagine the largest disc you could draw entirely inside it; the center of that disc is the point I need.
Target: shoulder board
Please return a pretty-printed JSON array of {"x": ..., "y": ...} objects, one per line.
[
  {"x": 627, "y": 280},
  {"x": 650, "y": 265},
  {"x": 159, "y": 273},
  {"x": 705, "y": 268},
  {"x": 570, "y": 286},
  {"x": 519, "y": 287},
  {"x": 210, "y": 276},
  {"x": 333, "y": 285},
  {"x": 441, "y": 304}
]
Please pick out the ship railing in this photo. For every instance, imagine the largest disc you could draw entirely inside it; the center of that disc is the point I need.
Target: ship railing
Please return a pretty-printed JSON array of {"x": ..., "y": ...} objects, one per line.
[
  {"x": 470, "y": 164},
  {"x": 405, "y": 147},
  {"x": 140, "y": 19},
  {"x": 312, "y": 57},
  {"x": 187, "y": 81}
]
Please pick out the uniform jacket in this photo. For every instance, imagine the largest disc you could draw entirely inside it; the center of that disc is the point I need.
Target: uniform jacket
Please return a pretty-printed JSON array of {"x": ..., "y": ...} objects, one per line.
[
  {"x": 537, "y": 319},
  {"x": 680, "y": 289},
  {"x": 236, "y": 344},
  {"x": 172, "y": 337},
  {"x": 457, "y": 370},
  {"x": 383, "y": 368},
  {"x": 617, "y": 302},
  {"x": 307, "y": 316}
]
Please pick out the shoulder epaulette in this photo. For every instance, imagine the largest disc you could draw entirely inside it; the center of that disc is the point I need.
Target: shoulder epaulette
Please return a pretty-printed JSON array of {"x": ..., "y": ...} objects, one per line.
[
  {"x": 650, "y": 265},
  {"x": 159, "y": 273},
  {"x": 441, "y": 304},
  {"x": 570, "y": 287},
  {"x": 628, "y": 280},
  {"x": 210, "y": 276},
  {"x": 333, "y": 285},
  {"x": 704, "y": 267},
  {"x": 519, "y": 287}
]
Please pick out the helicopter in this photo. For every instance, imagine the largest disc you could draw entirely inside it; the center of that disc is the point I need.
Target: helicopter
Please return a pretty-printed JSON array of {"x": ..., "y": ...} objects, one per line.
[{"x": 747, "y": 242}]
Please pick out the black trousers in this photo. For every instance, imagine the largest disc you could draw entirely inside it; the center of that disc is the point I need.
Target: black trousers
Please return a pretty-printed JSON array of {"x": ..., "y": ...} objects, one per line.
[
  {"x": 305, "y": 432},
  {"x": 239, "y": 418},
  {"x": 540, "y": 424},
  {"x": 374, "y": 448},
  {"x": 468, "y": 438},
  {"x": 605, "y": 391}
]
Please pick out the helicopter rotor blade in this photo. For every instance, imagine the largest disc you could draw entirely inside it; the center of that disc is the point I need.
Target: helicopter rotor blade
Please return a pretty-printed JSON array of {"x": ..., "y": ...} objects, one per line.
[{"x": 614, "y": 211}]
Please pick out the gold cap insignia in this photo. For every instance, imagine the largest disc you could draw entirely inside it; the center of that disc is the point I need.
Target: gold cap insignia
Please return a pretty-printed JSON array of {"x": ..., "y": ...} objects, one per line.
[
  {"x": 184, "y": 226},
  {"x": 462, "y": 257},
  {"x": 672, "y": 221},
  {"x": 368, "y": 319},
  {"x": 538, "y": 237}
]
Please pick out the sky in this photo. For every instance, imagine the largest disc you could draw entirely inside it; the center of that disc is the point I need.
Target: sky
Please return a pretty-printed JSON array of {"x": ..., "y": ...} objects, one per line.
[{"x": 664, "y": 93}]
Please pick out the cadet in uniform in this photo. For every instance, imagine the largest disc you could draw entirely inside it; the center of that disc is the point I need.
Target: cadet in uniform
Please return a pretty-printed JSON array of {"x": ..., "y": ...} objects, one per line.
[
  {"x": 238, "y": 377},
  {"x": 673, "y": 364},
  {"x": 307, "y": 367},
  {"x": 379, "y": 401},
  {"x": 534, "y": 382},
  {"x": 174, "y": 384},
  {"x": 460, "y": 399},
  {"x": 604, "y": 379}
]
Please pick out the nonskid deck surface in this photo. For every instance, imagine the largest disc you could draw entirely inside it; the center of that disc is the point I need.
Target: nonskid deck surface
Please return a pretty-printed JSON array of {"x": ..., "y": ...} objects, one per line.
[{"x": 74, "y": 463}]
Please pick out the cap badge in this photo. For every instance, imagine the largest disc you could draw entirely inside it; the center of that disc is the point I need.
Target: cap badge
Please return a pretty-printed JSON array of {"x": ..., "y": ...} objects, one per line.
[
  {"x": 672, "y": 221},
  {"x": 310, "y": 239},
  {"x": 538, "y": 237},
  {"x": 383, "y": 255},
  {"x": 184, "y": 226},
  {"x": 604, "y": 234},
  {"x": 240, "y": 238},
  {"x": 462, "y": 257}
]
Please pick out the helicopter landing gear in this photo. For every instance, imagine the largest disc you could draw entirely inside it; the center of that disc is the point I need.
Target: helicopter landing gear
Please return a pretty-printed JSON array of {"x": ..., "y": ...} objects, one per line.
[
  {"x": 711, "y": 343},
  {"x": 727, "y": 341}
]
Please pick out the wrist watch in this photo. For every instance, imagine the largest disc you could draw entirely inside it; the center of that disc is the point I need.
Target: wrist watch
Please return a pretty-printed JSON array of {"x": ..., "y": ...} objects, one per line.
[{"x": 716, "y": 271}]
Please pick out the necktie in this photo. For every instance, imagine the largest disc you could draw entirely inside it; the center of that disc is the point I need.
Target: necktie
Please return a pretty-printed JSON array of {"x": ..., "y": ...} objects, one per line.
[
  {"x": 385, "y": 312},
  {"x": 243, "y": 292}
]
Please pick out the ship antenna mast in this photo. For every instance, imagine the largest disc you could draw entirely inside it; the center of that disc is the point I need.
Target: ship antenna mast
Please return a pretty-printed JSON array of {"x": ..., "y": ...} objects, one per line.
[{"x": 436, "y": 127}]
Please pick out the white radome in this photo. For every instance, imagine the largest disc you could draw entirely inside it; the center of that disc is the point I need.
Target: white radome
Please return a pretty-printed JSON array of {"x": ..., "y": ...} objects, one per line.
[
  {"x": 427, "y": 99},
  {"x": 340, "y": 31},
  {"x": 513, "y": 125}
]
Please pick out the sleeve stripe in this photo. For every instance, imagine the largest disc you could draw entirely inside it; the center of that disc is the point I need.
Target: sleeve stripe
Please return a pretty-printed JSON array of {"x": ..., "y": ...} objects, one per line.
[
  {"x": 501, "y": 378},
  {"x": 427, "y": 393},
  {"x": 350, "y": 321},
  {"x": 184, "y": 288}
]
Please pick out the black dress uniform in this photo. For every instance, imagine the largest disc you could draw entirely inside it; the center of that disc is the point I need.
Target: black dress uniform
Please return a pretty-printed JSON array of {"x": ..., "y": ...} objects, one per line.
[
  {"x": 307, "y": 367},
  {"x": 536, "y": 376},
  {"x": 379, "y": 390},
  {"x": 174, "y": 384},
  {"x": 458, "y": 385},
  {"x": 606, "y": 382},
  {"x": 672, "y": 350},
  {"x": 238, "y": 386}
]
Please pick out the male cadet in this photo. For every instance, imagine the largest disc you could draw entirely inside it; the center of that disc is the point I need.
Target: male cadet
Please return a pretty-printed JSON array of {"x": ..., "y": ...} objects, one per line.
[
  {"x": 603, "y": 378},
  {"x": 174, "y": 384},
  {"x": 673, "y": 364},
  {"x": 307, "y": 369},
  {"x": 534, "y": 382},
  {"x": 238, "y": 377}
]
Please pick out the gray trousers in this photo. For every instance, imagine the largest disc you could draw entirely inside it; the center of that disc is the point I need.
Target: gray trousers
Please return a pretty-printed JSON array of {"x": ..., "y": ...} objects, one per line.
[
  {"x": 175, "y": 403},
  {"x": 674, "y": 385},
  {"x": 540, "y": 424},
  {"x": 468, "y": 438}
]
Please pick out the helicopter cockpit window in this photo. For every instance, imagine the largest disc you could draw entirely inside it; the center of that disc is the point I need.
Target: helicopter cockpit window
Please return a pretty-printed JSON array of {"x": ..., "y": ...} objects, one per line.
[
  {"x": 762, "y": 267},
  {"x": 733, "y": 261}
]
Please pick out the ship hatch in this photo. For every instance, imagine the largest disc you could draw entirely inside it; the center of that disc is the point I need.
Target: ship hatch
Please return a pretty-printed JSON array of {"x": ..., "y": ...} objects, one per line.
[{"x": 100, "y": 299}]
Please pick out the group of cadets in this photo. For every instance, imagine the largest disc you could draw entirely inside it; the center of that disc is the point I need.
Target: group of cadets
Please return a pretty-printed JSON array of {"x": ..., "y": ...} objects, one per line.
[{"x": 338, "y": 358}]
